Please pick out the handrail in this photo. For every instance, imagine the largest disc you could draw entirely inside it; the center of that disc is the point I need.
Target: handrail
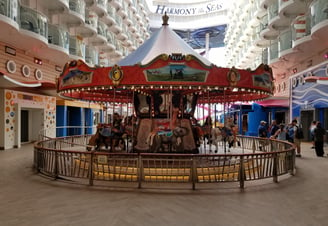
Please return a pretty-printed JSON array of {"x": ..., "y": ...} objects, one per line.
[{"x": 67, "y": 157}]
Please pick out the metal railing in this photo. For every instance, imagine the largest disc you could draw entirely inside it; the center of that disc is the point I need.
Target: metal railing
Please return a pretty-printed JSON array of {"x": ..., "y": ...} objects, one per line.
[{"x": 67, "y": 157}]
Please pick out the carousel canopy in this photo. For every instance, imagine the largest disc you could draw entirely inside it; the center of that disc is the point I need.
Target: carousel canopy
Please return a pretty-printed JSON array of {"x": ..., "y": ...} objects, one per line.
[
  {"x": 164, "y": 63},
  {"x": 163, "y": 41}
]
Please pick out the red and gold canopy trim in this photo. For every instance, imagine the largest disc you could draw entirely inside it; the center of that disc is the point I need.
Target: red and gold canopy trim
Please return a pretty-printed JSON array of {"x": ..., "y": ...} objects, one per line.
[{"x": 174, "y": 72}]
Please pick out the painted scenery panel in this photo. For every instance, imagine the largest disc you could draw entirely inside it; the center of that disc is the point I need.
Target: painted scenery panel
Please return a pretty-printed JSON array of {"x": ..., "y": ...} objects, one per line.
[{"x": 175, "y": 72}]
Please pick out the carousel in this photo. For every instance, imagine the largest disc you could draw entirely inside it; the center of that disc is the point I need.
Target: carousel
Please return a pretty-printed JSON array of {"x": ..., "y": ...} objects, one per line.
[{"x": 164, "y": 80}]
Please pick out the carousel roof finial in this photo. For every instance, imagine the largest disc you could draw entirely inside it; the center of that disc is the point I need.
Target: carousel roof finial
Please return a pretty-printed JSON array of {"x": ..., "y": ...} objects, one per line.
[{"x": 165, "y": 19}]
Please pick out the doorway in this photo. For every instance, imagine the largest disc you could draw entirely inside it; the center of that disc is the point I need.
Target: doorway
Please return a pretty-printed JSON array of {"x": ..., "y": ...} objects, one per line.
[
  {"x": 305, "y": 122},
  {"x": 280, "y": 117},
  {"x": 24, "y": 125}
]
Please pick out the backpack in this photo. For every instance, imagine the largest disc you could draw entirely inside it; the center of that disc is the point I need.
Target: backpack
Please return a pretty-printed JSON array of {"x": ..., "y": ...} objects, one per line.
[{"x": 299, "y": 133}]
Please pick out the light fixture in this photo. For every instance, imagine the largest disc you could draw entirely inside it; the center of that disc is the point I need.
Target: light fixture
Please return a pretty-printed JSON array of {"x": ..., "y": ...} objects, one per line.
[
  {"x": 325, "y": 55},
  {"x": 37, "y": 61}
]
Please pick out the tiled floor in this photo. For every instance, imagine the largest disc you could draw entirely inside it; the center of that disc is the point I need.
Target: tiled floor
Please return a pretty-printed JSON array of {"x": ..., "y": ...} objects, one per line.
[{"x": 27, "y": 199}]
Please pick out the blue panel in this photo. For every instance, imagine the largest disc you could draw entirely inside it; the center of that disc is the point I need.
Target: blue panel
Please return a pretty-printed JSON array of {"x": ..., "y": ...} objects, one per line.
[
  {"x": 254, "y": 119},
  {"x": 88, "y": 114},
  {"x": 75, "y": 120},
  {"x": 61, "y": 121}
]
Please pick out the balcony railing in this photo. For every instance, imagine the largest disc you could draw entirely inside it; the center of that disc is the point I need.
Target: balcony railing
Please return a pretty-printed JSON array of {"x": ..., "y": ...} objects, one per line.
[
  {"x": 285, "y": 40},
  {"x": 77, "y": 46},
  {"x": 34, "y": 21},
  {"x": 58, "y": 36},
  {"x": 273, "y": 10},
  {"x": 274, "y": 50},
  {"x": 77, "y": 6},
  {"x": 91, "y": 55},
  {"x": 10, "y": 8},
  {"x": 319, "y": 12}
]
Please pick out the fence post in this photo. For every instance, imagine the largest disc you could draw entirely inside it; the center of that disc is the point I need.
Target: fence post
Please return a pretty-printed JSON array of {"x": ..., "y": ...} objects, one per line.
[
  {"x": 193, "y": 174},
  {"x": 275, "y": 168},
  {"x": 139, "y": 168},
  {"x": 91, "y": 168},
  {"x": 56, "y": 165},
  {"x": 241, "y": 172},
  {"x": 292, "y": 161},
  {"x": 36, "y": 159}
]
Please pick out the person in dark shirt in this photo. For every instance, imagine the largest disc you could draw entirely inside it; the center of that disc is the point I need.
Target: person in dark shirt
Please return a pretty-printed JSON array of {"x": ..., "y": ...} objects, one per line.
[
  {"x": 273, "y": 128},
  {"x": 319, "y": 134},
  {"x": 263, "y": 133},
  {"x": 262, "y": 130}
]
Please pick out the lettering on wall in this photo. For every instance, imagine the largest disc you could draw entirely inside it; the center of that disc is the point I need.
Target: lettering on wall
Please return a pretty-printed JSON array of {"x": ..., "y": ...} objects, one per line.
[{"x": 198, "y": 9}]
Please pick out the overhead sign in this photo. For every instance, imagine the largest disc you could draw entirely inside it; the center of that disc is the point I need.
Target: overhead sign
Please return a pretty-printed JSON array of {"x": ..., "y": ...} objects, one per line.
[{"x": 191, "y": 10}]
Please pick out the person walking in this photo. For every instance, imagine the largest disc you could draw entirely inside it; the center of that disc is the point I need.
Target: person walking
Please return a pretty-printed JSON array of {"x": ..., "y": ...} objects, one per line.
[
  {"x": 319, "y": 134},
  {"x": 312, "y": 127},
  {"x": 293, "y": 138}
]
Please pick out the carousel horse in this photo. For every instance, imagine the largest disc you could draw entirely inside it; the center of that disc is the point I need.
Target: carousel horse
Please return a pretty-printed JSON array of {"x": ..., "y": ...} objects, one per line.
[
  {"x": 173, "y": 139},
  {"x": 108, "y": 137},
  {"x": 224, "y": 135},
  {"x": 198, "y": 134},
  {"x": 102, "y": 137},
  {"x": 202, "y": 134}
]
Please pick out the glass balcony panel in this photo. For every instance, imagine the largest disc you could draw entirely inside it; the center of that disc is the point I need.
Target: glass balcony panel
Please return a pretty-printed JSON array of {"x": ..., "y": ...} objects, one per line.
[
  {"x": 111, "y": 10},
  {"x": 285, "y": 40},
  {"x": 102, "y": 29},
  {"x": 264, "y": 22},
  {"x": 273, "y": 10},
  {"x": 110, "y": 37},
  {"x": 9, "y": 8},
  {"x": 77, "y": 46},
  {"x": 34, "y": 21},
  {"x": 102, "y": 3},
  {"x": 77, "y": 6},
  {"x": 274, "y": 50},
  {"x": 91, "y": 18},
  {"x": 118, "y": 20},
  {"x": 91, "y": 55},
  {"x": 265, "y": 56},
  {"x": 319, "y": 12},
  {"x": 58, "y": 36}
]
